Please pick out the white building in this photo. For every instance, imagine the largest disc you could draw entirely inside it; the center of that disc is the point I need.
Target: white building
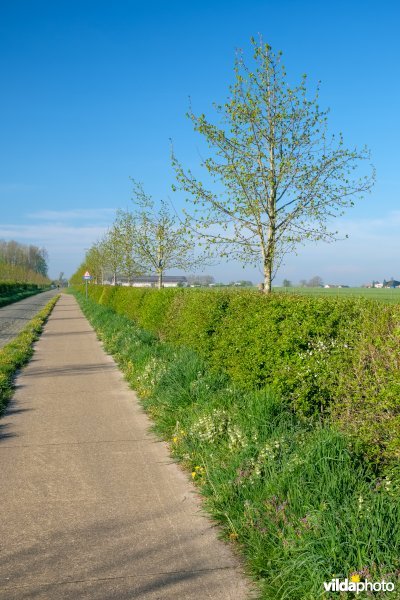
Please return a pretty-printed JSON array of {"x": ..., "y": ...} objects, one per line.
[{"x": 151, "y": 281}]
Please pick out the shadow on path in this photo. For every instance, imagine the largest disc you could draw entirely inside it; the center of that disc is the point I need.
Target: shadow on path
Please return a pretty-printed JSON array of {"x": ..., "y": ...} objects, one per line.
[{"x": 71, "y": 370}]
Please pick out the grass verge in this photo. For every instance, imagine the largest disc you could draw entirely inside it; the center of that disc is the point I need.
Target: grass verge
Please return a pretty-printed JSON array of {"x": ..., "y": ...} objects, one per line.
[
  {"x": 17, "y": 353},
  {"x": 296, "y": 498}
]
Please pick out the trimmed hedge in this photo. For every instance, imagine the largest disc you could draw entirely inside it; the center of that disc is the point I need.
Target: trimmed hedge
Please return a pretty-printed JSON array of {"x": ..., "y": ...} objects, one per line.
[
  {"x": 12, "y": 292},
  {"x": 10, "y": 287},
  {"x": 326, "y": 356}
]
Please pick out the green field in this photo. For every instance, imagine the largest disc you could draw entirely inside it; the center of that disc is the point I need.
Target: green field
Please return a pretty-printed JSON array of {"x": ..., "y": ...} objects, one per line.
[{"x": 382, "y": 295}]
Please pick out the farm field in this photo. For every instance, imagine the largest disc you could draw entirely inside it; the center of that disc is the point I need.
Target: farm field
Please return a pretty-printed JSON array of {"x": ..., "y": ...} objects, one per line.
[
  {"x": 381, "y": 295},
  {"x": 388, "y": 296}
]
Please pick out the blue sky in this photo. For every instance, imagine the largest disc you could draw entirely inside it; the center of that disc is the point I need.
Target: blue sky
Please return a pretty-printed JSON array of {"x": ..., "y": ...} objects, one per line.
[{"x": 92, "y": 91}]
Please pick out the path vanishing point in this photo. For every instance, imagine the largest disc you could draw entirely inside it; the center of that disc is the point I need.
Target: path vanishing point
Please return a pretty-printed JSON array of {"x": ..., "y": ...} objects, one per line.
[{"x": 92, "y": 506}]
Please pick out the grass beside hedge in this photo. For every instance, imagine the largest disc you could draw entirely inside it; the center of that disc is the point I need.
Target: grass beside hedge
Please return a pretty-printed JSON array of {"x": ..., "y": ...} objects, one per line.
[
  {"x": 294, "y": 496},
  {"x": 335, "y": 358},
  {"x": 17, "y": 353}
]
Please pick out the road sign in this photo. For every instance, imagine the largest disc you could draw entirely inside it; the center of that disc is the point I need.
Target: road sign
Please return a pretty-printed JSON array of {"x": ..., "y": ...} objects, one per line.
[{"x": 87, "y": 276}]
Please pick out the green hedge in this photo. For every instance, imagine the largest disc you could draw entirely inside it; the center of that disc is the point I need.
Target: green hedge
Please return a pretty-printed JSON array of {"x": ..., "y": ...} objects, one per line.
[
  {"x": 12, "y": 292},
  {"x": 326, "y": 356},
  {"x": 11, "y": 287}
]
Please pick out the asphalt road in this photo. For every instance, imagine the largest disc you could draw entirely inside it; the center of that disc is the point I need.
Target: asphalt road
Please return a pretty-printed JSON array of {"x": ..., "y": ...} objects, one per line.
[
  {"x": 92, "y": 506},
  {"x": 14, "y": 317}
]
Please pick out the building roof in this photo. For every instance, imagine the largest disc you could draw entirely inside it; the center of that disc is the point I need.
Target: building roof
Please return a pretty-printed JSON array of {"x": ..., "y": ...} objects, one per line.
[{"x": 154, "y": 279}]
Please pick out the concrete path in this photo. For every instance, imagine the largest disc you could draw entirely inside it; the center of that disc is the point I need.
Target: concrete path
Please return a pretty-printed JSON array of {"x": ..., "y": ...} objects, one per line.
[
  {"x": 15, "y": 316},
  {"x": 92, "y": 507}
]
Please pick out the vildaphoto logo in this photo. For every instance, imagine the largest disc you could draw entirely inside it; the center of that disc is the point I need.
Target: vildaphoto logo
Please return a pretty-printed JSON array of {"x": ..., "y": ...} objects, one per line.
[{"x": 355, "y": 585}]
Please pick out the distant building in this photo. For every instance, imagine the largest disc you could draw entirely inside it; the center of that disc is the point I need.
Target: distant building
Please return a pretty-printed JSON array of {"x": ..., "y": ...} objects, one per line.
[
  {"x": 393, "y": 283},
  {"x": 151, "y": 281}
]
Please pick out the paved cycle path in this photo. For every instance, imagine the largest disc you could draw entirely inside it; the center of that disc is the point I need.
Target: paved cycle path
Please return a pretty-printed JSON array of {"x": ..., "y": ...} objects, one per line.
[{"x": 92, "y": 507}]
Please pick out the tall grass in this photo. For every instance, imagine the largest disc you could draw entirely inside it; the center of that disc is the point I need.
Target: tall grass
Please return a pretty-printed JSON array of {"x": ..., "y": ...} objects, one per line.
[
  {"x": 17, "y": 352},
  {"x": 294, "y": 496}
]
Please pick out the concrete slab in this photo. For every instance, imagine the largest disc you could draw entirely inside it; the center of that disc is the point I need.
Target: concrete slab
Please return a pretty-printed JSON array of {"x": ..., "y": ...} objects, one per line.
[{"x": 92, "y": 505}]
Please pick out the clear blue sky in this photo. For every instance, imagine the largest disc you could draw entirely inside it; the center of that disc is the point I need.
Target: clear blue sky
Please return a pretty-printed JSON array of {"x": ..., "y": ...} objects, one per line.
[{"x": 92, "y": 90}]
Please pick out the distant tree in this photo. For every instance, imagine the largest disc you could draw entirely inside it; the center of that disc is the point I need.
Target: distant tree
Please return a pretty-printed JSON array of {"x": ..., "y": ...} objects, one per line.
[
  {"x": 244, "y": 283},
  {"x": 287, "y": 283},
  {"x": 160, "y": 242},
  {"x": 127, "y": 231},
  {"x": 95, "y": 261},
  {"x": 39, "y": 260},
  {"x": 23, "y": 263},
  {"x": 200, "y": 279},
  {"x": 112, "y": 246},
  {"x": 315, "y": 282},
  {"x": 303, "y": 283},
  {"x": 278, "y": 178}
]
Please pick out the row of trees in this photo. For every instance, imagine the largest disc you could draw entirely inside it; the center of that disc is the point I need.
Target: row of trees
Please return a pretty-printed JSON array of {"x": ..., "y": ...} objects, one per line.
[
  {"x": 19, "y": 262},
  {"x": 315, "y": 281},
  {"x": 208, "y": 280},
  {"x": 274, "y": 179},
  {"x": 147, "y": 239}
]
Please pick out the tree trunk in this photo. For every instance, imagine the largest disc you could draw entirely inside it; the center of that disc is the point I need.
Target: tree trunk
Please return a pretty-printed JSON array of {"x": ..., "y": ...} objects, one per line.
[
  {"x": 267, "y": 276},
  {"x": 160, "y": 263},
  {"x": 269, "y": 254}
]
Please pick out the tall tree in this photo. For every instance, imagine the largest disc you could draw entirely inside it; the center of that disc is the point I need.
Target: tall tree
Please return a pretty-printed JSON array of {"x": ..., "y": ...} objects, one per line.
[
  {"x": 112, "y": 246},
  {"x": 127, "y": 231},
  {"x": 95, "y": 261},
  {"x": 275, "y": 176},
  {"x": 25, "y": 263},
  {"x": 160, "y": 241}
]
